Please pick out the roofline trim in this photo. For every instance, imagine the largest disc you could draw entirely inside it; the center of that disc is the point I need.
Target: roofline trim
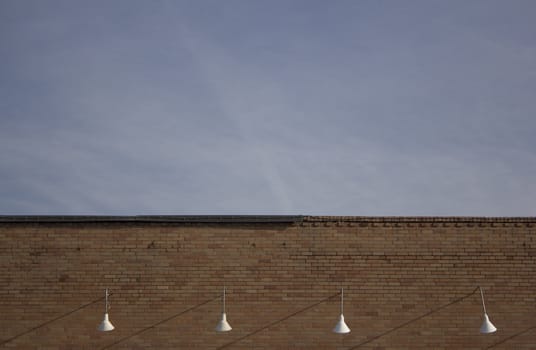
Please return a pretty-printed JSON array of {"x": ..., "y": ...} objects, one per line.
[
  {"x": 419, "y": 219},
  {"x": 152, "y": 218},
  {"x": 254, "y": 219}
]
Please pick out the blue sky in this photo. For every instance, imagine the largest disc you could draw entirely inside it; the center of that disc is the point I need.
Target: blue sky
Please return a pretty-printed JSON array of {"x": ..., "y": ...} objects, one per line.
[{"x": 268, "y": 107}]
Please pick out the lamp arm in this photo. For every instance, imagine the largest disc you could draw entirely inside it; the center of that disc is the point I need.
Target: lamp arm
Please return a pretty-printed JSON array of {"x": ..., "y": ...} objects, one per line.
[
  {"x": 482, "y": 296},
  {"x": 342, "y": 301},
  {"x": 223, "y": 307}
]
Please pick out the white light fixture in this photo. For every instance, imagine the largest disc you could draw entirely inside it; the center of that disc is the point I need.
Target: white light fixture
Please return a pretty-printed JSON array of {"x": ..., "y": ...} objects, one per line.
[
  {"x": 106, "y": 325},
  {"x": 487, "y": 327},
  {"x": 223, "y": 325},
  {"x": 341, "y": 327}
]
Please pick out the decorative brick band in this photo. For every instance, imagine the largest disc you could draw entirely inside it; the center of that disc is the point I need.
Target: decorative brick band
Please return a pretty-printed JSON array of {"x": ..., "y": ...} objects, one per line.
[{"x": 419, "y": 219}]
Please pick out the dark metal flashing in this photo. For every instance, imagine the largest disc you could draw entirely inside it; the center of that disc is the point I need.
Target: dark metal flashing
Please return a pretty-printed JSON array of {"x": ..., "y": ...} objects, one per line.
[
  {"x": 249, "y": 219},
  {"x": 152, "y": 219}
]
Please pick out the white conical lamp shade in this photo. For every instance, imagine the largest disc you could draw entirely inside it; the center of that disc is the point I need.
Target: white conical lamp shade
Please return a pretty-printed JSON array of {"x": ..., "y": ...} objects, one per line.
[
  {"x": 341, "y": 327},
  {"x": 487, "y": 327},
  {"x": 106, "y": 325},
  {"x": 223, "y": 325}
]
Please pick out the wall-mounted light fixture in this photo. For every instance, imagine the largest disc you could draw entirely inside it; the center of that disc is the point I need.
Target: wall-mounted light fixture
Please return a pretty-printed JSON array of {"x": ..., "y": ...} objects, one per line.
[
  {"x": 487, "y": 327},
  {"x": 223, "y": 325},
  {"x": 341, "y": 327},
  {"x": 106, "y": 325}
]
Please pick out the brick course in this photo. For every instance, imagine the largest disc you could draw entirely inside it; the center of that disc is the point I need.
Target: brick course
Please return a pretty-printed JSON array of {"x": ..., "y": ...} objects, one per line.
[{"x": 409, "y": 282}]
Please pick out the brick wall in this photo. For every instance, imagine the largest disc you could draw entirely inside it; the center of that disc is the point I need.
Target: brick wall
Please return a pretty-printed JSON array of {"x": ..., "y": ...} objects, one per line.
[{"x": 409, "y": 283}]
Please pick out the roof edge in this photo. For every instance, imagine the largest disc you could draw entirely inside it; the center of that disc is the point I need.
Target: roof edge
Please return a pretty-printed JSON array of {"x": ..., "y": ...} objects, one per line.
[
  {"x": 152, "y": 218},
  {"x": 252, "y": 219},
  {"x": 424, "y": 219}
]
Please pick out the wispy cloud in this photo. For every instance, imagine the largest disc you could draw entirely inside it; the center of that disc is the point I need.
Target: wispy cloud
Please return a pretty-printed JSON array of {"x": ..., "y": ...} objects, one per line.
[{"x": 366, "y": 109}]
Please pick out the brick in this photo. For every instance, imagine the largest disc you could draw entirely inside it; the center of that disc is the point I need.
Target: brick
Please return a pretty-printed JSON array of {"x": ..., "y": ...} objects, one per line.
[{"x": 409, "y": 283}]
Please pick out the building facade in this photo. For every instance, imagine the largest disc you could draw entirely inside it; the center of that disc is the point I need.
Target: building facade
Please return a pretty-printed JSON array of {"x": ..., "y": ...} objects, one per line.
[{"x": 409, "y": 282}]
